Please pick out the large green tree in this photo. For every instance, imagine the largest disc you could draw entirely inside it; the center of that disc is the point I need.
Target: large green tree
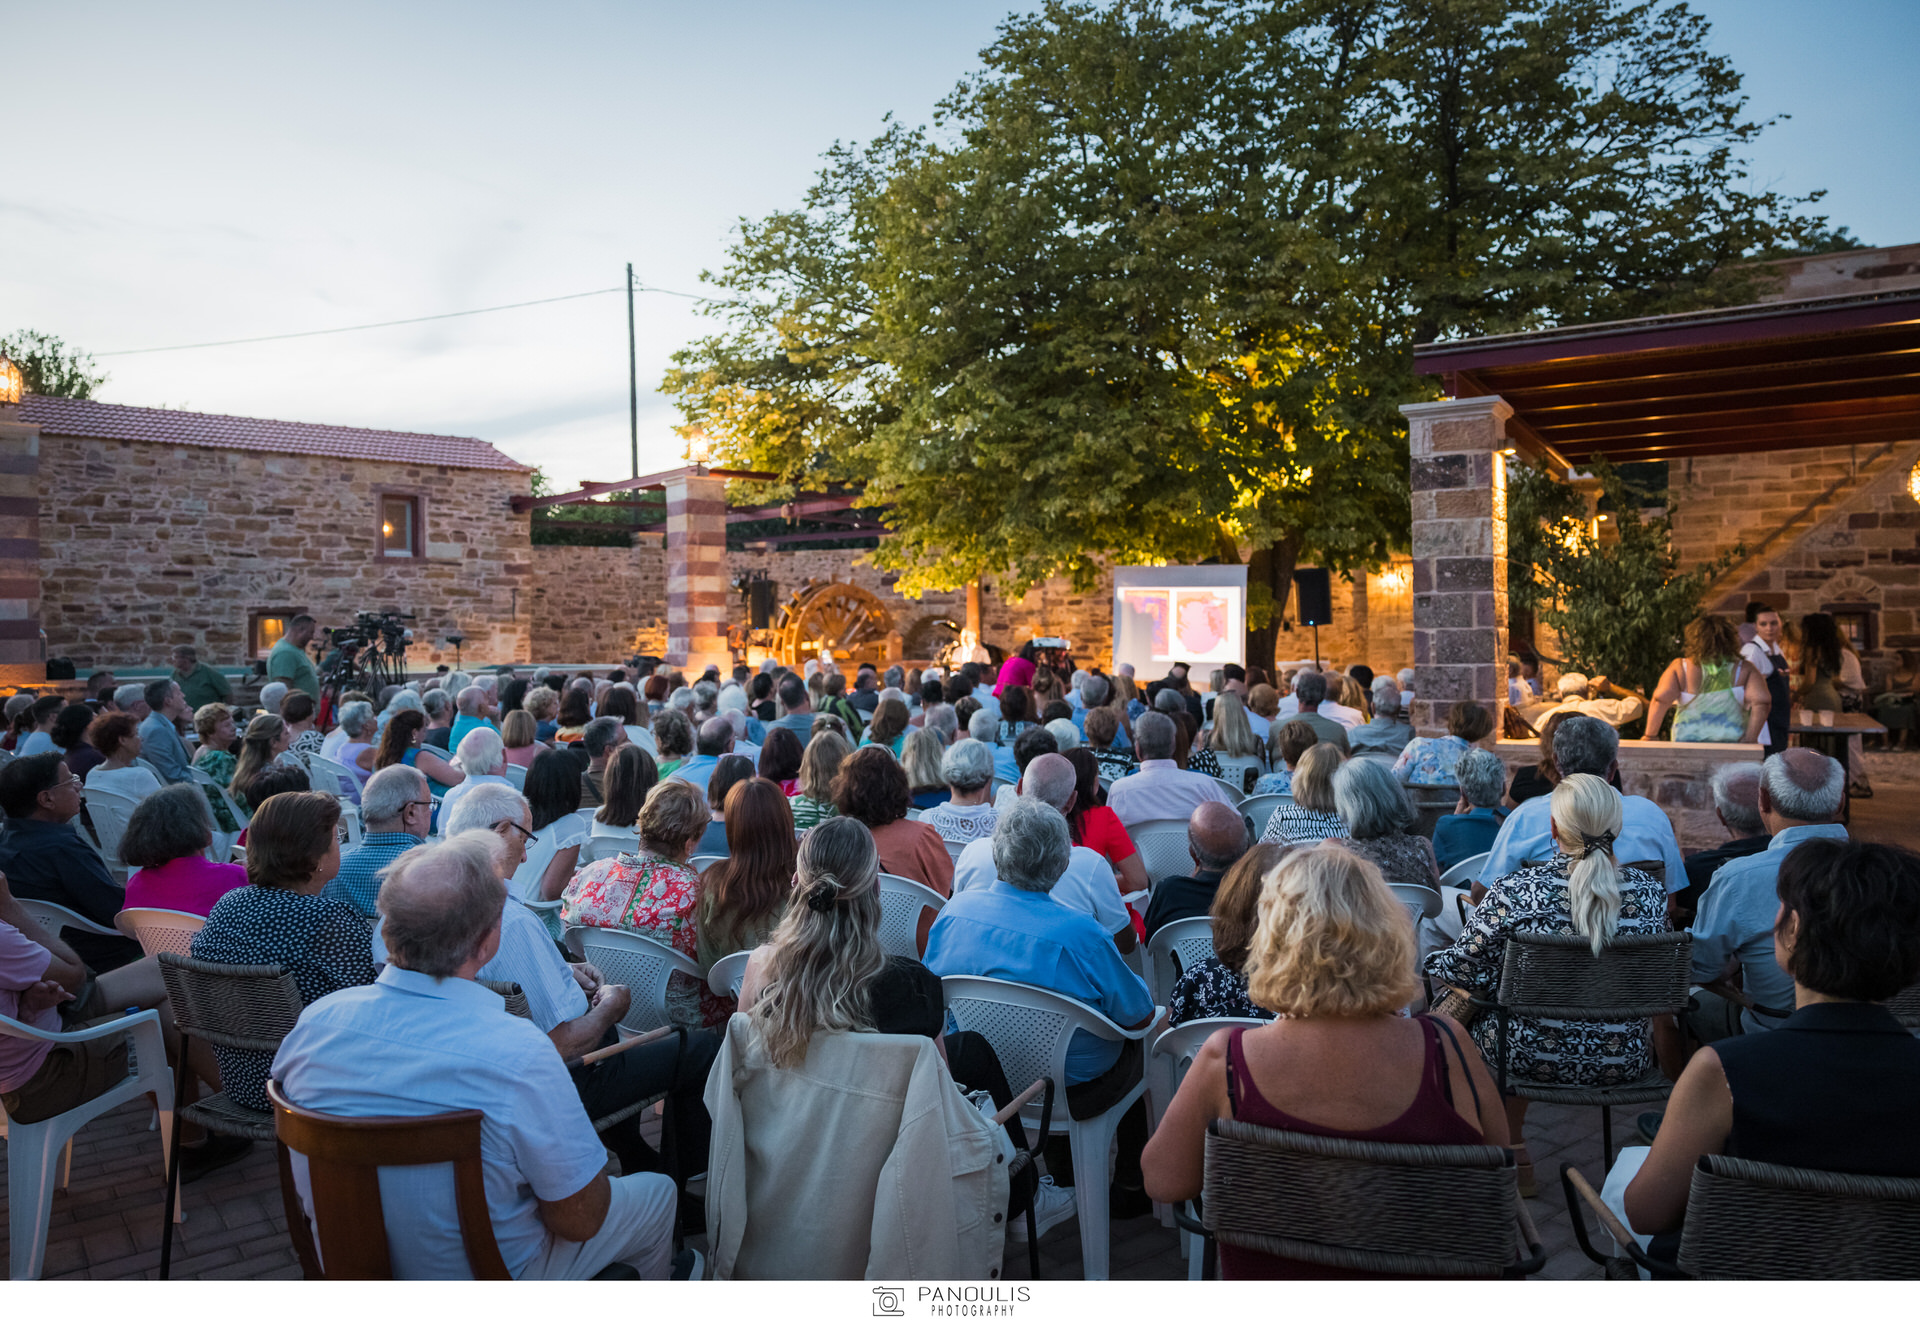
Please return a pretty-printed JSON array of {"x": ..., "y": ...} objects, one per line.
[
  {"x": 48, "y": 366},
  {"x": 1145, "y": 288}
]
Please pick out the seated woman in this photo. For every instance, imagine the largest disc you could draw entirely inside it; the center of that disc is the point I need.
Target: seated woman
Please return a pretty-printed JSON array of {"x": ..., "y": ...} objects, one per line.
[
  {"x": 818, "y": 767},
  {"x": 543, "y": 704},
  {"x": 1584, "y": 891},
  {"x": 825, "y": 722},
  {"x": 1837, "y": 1084},
  {"x": 630, "y": 777},
  {"x": 744, "y": 895},
  {"x": 920, "y": 755},
  {"x": 1333, "y": 956},
  {"x": 358, "y": 729},
  {"x": 1016, "y": 710},
  {"x": 651, "y": 891},
  {"x": 1470, "y": 829},
  {"x": 266, "y": 740},
  {"x": 727, "y": 772},
  {"x": 553, "y": 792},
  {"x": 575, "y": 711},
  {"x": 888, "y": 728},
  {"x": 1430, "y": 760},
  {"x": 1216, "y": 987},
  {"x": 1092, "y": 824},
  {"x": 1716, "y": 697},
  {"x": 673, "y": 736},
  {"x": 517, "y": 732},
  {"x": 1104, "y": 741},
  {"x": 214, "y": 724},
  {"x": 116, "y": 738},
  {"x": 279, "y": 917},
  {"x": 166, "y": 843},
  {"x": 967, "y": 814},
  {"x": 300, "y": 712},
  {"x": 1237, "y": 753},
  {"x": 480, "y": 758},
  {"x": 872, "y": 789},
  {"x": 624, "y": 705},
  {"x": 1380, "y": 820},
  {"x": 70, "y": 739},
  {"x": 1289, "y": 743},
  {"x": 1312, "y": 815},
  {"x": 400, "y": 745},
  {"x": 780, "y": 758}
]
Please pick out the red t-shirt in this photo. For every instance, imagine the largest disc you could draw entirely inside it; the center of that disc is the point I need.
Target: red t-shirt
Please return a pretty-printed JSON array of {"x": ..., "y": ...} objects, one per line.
[{"x": 1101, "y": 831}]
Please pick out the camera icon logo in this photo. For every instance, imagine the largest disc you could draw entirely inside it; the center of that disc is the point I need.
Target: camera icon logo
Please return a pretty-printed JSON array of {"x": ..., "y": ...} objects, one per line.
[{"x": 886, "y": 1302}]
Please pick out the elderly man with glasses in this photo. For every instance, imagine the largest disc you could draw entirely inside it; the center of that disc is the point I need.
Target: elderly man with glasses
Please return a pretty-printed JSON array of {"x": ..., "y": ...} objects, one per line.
[
  {"x": 44, "y": 857},
  {"x": 396, "y": 812}
]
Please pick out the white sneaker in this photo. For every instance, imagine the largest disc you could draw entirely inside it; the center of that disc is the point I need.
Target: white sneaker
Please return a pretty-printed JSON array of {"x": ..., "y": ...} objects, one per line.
[{"x": 1051, "y": 1206}]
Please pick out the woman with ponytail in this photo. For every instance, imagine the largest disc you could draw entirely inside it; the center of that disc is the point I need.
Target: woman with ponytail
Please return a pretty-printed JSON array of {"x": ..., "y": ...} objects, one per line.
[
  {"x": 266, "y": 738},
  {"x": 1582, "y": 891}
]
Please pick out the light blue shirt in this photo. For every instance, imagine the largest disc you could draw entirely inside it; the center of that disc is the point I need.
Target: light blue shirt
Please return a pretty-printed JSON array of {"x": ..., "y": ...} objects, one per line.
[
  {"x": 1736, "y": 918},
  {"x": 357, "y": 883},
  {"x": 35, "y": 743},
  {"x": 411, "y": 1045},
  {"x": 162, "y": 746},
  {"x": 464, "y": 725},
  {"x": 799, "y": 722},
  {"x": 454, "y": 794},
  {"x": 1005, "y": 766},
  {"x": 527, "y": 955},
  {"x": 1645, "y": 835},
  {"x": 1016, "y": 935},
  {"x": 696, "y": 770}
]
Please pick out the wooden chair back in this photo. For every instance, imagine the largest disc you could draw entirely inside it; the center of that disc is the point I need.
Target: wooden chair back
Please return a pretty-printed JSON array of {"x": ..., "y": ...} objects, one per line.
[{"x": 344, "y": 1157}]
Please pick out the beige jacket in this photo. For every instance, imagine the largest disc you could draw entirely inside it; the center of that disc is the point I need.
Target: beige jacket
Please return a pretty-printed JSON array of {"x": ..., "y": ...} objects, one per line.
[{"x": 866, "y": 1161}]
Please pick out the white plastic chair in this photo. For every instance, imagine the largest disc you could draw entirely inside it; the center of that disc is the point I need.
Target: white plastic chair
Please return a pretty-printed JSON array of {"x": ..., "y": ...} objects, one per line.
[
  {"x": 1421, "y": 901},
  {"x": 34, "y": 1161},
  {"x": 701, "y": 861},
  {"x": 597, "y": 847},
  {"x": 913, "y": 814},
  {"x": 516, "y": 776},
  {"x": 642, "y": 966},
  {"x": 161, "y": 930},
  {"x": 1257, "y": 808},
  {"x": 525, "y": 885},
  {"x": 548, "y": 911},
  {"x": 955, "y": 848},
  {"x": 586, "y": 817},
  {"x": 1233, "y": 791},
  {"x": 1163, "y": 848},
  {"x": 726, "y": 975},
  {"x": 234, "y": 805},
  {"x": 998, "y": 785},
  {"x": 1172, "y": 1055},
  {"x": 1466, "y": 871},
  {"x": 110, "y": 812},
  {"x": 902, "y": 900},
  {"x": 1176, "y": 947},
  {"x": 54, "y": 919},
  {"x": 330, "y": 777}
]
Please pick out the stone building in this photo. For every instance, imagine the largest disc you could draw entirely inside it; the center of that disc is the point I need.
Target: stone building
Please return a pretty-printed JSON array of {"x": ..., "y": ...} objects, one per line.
[{"x": 152, "y": 527}]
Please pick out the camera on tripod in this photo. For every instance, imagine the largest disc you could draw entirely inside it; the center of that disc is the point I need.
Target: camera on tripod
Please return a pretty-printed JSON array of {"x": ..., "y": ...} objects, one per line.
[{"x": 369, "y": 653}]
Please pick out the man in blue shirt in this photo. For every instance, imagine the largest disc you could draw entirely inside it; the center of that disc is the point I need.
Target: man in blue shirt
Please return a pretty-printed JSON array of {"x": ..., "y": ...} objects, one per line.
[
  {"x": 798, "y": 709},
  {"x": 1801, "y": 794},
  {"x": 1014, "y": 930},
  {"x": 471, "y": 702},
  {"x": 160, "y": 741},
  {"x": 396, "y": 807},
  {"x": 714, "y": 741}
]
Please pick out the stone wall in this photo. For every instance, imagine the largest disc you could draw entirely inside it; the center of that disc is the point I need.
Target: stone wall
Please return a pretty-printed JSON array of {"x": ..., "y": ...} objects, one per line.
[
  {"x": 143, "y": 546},
  {"x": 1852, "y": 533}
]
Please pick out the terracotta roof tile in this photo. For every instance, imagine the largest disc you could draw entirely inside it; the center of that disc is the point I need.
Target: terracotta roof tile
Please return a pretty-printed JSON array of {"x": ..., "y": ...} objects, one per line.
[{"x": 166, "y": 426}]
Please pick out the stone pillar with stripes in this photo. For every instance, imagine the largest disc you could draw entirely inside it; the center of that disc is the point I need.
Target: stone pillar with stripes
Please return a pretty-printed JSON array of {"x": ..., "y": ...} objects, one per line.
[
  {"x": 697, "y": 571},
  {"x": 22, "y": 650}
]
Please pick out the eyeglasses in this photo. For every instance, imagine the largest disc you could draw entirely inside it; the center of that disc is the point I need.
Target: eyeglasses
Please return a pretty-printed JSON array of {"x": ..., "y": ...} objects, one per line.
[
  {"x": 517, "y": 826},
  {"x": 422, "y": 802}
]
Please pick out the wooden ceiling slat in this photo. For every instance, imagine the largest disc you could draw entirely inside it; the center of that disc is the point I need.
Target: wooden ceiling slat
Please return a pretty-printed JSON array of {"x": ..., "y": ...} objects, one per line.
[
  {"x": 1800, "y": 435},
  {"x": 1695, "y": 385},
  {"x": 1622, "y": 454},
  {"x": 1865, "y": 399},
  {"x": 1653, "y": 365}
]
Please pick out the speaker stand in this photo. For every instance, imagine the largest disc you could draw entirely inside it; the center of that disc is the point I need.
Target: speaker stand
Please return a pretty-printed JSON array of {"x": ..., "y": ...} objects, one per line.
[{"x": 1316, "y": 646}]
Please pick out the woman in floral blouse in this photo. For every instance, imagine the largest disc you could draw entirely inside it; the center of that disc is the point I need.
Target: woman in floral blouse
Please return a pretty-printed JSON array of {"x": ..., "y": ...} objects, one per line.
[
  {"x": 1430, "y": 760},
  {"x": 652, "y": 891},
  {"x": 214, "y": 724},
  {"x": 1216, "y": 987}
]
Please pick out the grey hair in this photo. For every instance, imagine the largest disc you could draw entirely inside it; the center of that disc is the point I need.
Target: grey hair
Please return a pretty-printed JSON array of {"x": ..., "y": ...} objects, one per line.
[
  {"x": 681, "y": 700},
  {"x": 1095, "y": 691},
  {"x": 1386, "y": 701},
  {"x": 983, "y": 725},
  {"x": 480, "y": 751},
  {"x": 1482, "y": 777},
  {"x": 355, "y": 717},
  {"x": 438, "y": 903},
  {"x": 1066, "y": 736},
  {"x": 123, "y": 697},
  {"x": 967, "y": 765},
  {"x": 1310, "y": 686},
  {"x": 1405, "y": 677},
  {"x": 706, "y": 693},
  {"x": 385, "y": 795},
  {"x": 406, "y": 700},
  {"x": 894, "y": 677},
  {"x": 271, "y": 696},
  {"x": 1031, "y": 846},
  {"x": 942, "y": 723},
  {"x": 1583, "y": 745},
  {"x": 1800, "y": 802},
  {"x": 1050, "y": 779},
  {"x": 1169, "y": 700},
  {"x": 599, "y": 736},
  {"x": 1153, "y": 735},
  {"x": 435, "y": 702},
  {"x": 483, "y": 807},
  {"x": 1370, "y": 799},
  {"x": 173, "y": 823},
  {"x": 734, "y": 698},
  {"x": 1736, "y": 796}
]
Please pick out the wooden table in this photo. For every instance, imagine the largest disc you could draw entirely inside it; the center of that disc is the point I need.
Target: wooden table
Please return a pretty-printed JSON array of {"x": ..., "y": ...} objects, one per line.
[{"x": 1832, "y": 739}]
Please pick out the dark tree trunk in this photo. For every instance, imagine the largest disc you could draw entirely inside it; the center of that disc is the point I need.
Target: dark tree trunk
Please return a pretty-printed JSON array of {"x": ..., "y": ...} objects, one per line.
[{"x": 1272, "y": 566}]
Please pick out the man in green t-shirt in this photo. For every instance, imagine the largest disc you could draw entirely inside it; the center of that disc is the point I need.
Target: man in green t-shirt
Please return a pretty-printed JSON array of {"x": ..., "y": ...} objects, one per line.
[
  {"x": 199, "y": 681},
  {"x": 289, "y": 662}
]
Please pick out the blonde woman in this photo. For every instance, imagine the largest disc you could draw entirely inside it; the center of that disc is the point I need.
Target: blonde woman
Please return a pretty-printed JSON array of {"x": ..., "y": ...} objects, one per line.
[
  {"x": 1312, "y": 815},
  {"x": 1583, "y": 891},
  {"x": 1716, "y": 697},
  {"x": 920, "y": 757},
  {"x": 1237, "y": 752},
  {"x": 1333, "y": 955},
  {"x": 818, "y": 765}
]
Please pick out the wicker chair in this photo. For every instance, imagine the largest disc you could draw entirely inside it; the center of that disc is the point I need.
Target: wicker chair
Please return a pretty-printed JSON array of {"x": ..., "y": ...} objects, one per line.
[
  {"x": 1906, "y": 1007},
  {"x": 1555, "y": 976},
  {"x": 236, "y": 1006},
  {"x": 1380, "y": 1207},
  {"x": 1748, "y": 1220}
]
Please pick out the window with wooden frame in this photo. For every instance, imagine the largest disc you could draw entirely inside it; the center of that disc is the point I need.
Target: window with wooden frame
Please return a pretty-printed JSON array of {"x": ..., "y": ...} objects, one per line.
[
  {"x": 402, "y": 533},
  {"x": 265, "y": 628}
]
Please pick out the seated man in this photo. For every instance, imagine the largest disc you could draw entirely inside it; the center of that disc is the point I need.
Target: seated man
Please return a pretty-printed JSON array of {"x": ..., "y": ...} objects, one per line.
[
  {"x": 1310, "y": 694},
  {"x": 1583, "y": 745},
  {"x": 160, "y": 741},
  {"x": 602, "y": 737},
  {"x": 1216, "y": 839},
  {"x": 1014, "y": 930},
  {"x": 471, "y": 704},
  {"x": 1160, "y": 790},
  {"x": 44, "y": 858},
  {"x": 1596, "y": 697},
  {"x": 1471, "y": 829},
  {"x": 396, "y": 810},
  {"x": 713, "y": 741},
  {"x": 1801, "y": 794},
  {"x": 1087, "y": 884},
  {"x": 1736, "y": 801},
  {"x": 131, "y": 699},
  {"x": 1032, "y": 743},
  {"x": 1386, "y": 732},
  {"x": 425, "y": 1039}
]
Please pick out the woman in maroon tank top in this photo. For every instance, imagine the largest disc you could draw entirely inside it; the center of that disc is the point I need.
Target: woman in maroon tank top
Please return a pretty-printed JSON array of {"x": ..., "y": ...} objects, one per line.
[{"x": 1334, "y": 957}]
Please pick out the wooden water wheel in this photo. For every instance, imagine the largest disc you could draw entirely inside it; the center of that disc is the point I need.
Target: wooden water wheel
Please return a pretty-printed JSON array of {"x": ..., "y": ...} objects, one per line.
[{"x": 847, "y": 621}]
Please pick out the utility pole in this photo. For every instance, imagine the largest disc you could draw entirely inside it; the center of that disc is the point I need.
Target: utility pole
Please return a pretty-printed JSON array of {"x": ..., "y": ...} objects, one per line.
[{"x": 633, "y": 392}]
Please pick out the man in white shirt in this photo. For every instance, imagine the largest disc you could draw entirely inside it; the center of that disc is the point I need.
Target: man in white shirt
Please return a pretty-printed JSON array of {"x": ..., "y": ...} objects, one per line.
[
  {"x": 1584, "y": 745},
  {"x": 1160, "y": 790},
  {"x": 1088, "y": 885},
  {"x": 425, "y": 1039},
  {"x": 1762, "y": 652}
]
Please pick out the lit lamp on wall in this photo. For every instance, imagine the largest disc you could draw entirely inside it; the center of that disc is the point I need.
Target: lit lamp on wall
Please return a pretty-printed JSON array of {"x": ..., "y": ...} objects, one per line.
[
  {"x": 1913, "y": 483},
  {"x": 1395, "y": 581},
  {"x": 12, "y": 383},
  {"x": 699, "y": 448}
]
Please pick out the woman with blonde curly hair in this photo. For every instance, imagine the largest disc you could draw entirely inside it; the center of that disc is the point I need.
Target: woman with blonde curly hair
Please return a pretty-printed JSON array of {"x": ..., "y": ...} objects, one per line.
[
  {"x": 1715, "y": 696},
  {"x": 1333, "y": 955}
]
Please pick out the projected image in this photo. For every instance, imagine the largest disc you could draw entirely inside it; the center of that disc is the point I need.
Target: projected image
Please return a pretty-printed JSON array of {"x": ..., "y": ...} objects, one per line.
[{"x": 1183, "y": 623}]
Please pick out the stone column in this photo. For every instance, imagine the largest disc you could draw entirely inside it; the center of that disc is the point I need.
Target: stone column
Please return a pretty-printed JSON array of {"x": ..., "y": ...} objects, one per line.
[
  {"x": 697, "y": 572},
  {"x": 1459, "y": 558},
  {"x": 22, "y": 653}
]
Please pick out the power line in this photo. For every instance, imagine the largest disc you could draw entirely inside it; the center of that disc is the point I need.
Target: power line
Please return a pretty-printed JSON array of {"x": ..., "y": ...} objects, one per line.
[{"x": 405, "y": 321}]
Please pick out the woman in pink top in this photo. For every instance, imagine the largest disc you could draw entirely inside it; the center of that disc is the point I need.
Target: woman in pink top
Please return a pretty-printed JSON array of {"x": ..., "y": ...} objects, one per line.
[{"x": 166, "y": 840}]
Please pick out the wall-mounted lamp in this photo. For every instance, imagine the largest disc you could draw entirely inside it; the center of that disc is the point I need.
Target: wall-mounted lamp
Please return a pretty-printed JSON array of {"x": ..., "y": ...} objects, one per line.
[{"x": 12, "y": 383}]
